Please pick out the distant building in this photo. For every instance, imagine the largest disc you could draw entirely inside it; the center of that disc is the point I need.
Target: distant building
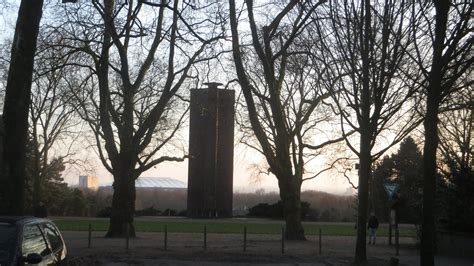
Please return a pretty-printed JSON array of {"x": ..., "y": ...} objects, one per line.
[
  {"x": 146, "y": 182},
  {"x": 88, "y": 182},
  {"x": 159, "y": 183},
  {"x": 211, "y": 152},
  {"x": 158, "y": 192}
]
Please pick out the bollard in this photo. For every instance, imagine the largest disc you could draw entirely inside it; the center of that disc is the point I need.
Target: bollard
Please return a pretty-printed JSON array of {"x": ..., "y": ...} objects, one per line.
[
  {"x": 89, "y": 236},
  {"x": 245, "y": 238},
  {"x": 389, "y": 233},
  {"x": 205, "y": 238},
  {"x": 166, "y": 237},
  {"x": 397, "y": 246},
  {"x": 127, "y": 236},
  {"x": 320, "y": 241},
  {"x": 283, "y": 240}
]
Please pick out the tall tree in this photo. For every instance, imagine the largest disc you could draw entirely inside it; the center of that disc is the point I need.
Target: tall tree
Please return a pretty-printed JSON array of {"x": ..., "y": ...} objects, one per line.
[
  {"x": 408, "y": 173},
  {"x": 365, "y": 44},
  {"x": 456, "y": 153},
  {"x": 16, "y": 107},
  {"x": 133, "y": 65},
  {"x": 405, "y": 169},
  {"x": 442, "y": 66},
  {"x": 279, "y": 75},
  {"x": 53, "y": 125}
]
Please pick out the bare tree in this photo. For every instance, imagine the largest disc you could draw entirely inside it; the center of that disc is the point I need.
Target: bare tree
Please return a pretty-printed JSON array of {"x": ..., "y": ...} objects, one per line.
[
  {"x": 443, "y": 54},
  {"x": 365, "y": 47},
  {"x": 455, "y": 201},
  {"x": 16, "y": 107},
  {"x": 456, "y": 130},
  {"x": 285, "y": 102},
  {"x": 134, "y": 58},
  {"x": 53, "y": 124}
]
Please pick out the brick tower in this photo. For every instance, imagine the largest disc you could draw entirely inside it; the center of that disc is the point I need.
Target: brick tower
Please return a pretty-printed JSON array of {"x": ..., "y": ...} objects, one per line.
[{"x": 211, "y": 152}]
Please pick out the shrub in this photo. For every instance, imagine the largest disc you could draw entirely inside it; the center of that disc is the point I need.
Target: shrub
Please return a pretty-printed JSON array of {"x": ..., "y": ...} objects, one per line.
[
  {"x": 151, "y": 211},
  {"x": 169, "y": 212},
  {"x": 105, "y": 213},
  {"x": 275, "y": 211}
]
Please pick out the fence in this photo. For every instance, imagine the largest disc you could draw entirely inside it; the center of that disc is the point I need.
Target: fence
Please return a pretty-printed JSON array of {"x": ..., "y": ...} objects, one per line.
[{"x": 168, "y": 238}]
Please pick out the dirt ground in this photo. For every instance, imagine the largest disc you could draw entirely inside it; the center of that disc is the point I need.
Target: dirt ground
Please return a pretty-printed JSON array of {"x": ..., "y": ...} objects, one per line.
[{"x": 188, "y": 249}]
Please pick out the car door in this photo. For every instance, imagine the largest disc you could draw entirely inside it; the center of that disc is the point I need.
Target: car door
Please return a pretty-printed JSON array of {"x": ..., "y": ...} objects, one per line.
[
  {"x": 34, "y": 242},
  {"x": 55, "y": 241},
  {"x": 8, "y": 243}
]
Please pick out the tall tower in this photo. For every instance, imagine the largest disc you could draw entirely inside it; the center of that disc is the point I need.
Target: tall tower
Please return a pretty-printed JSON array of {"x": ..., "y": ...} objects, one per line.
[{"x": 211, "y": 152}]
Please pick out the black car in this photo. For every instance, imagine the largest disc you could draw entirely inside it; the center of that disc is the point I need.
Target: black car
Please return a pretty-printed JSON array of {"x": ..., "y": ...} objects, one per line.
[{"x": 30, "y": 240}]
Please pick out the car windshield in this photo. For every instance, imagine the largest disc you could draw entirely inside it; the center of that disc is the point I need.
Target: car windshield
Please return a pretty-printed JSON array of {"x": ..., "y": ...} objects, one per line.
[{"x": 7, "y": 236}]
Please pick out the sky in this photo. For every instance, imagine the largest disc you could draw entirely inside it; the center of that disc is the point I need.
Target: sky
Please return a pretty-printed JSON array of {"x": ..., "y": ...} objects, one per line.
[
  {"x": 245, "y": 179},
  {"x": 245, "y": 159}
]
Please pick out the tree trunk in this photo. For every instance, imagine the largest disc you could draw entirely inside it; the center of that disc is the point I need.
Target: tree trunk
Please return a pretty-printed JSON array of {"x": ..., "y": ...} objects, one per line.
[
  {"x": 364, "y": 176},
  {"x": 365, "y": 158},
  {"x": 123, "y": 205},
  {"x": 17, "y": 101},
  {"x": 428, "y": 229},
  {"x": 291, "y": 198}
]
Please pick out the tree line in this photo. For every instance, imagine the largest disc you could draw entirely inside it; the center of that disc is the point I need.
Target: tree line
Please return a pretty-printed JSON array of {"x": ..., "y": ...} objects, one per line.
[{"x": 374, "y": 70}]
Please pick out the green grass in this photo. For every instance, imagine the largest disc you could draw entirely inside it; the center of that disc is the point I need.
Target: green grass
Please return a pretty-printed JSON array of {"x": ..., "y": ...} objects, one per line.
[{"x": 227, "y": 226}]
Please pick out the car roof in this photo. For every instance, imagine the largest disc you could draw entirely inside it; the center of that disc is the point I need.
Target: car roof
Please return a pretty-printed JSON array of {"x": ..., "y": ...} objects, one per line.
[{"x": 21, "y": 219}]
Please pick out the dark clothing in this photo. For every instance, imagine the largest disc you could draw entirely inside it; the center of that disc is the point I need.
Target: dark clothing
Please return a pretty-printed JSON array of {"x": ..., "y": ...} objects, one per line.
[{"x": 373, "y": 222}]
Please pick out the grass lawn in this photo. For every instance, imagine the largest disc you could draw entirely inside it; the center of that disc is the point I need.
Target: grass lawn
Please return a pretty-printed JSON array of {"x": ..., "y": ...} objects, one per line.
[{"x": 184, "y": 225}]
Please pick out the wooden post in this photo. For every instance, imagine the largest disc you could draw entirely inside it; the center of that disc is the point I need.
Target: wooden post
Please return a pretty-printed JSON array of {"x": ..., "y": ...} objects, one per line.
[
  {"x": 245, "y": 238},
  {"x": 205, "y": 238},
  {"x": 320, "y": 241},
  {"x": 166, "y": 237},
  {"x": 397, "y": 247},
  {"x": 127, "y": 236},
  {"x": 89, "y": 236},
  {"x": 283, "y": 240},
  {"x": 391, "y": 225},
  {"x": 390, "y": 233}
]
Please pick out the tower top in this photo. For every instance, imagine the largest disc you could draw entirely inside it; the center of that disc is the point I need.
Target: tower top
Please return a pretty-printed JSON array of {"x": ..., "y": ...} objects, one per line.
[{"x": 213, "y": 85}]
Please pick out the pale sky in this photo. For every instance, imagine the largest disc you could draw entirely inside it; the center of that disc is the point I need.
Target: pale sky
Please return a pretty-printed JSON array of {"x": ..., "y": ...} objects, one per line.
[
  {"x": 244, "y": 177},
  {"x": 244, "y": 158}
]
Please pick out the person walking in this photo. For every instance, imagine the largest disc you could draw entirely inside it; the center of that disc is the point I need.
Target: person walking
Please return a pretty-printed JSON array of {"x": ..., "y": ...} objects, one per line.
[{"x": 373, "y": 224}]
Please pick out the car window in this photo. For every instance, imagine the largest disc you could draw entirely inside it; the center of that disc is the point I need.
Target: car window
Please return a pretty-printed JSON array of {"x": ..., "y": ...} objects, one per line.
[
  {"x": 33, "y": 241},
  {"x": 52, "y": 234}
]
